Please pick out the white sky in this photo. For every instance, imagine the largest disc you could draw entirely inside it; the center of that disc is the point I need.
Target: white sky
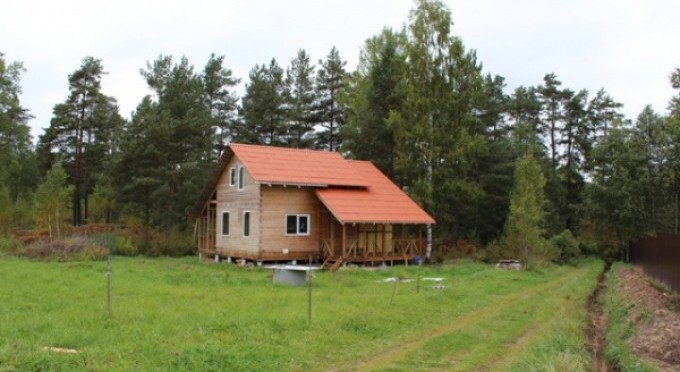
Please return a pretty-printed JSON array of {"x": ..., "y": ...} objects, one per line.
[{"x": 627, "y": 47}]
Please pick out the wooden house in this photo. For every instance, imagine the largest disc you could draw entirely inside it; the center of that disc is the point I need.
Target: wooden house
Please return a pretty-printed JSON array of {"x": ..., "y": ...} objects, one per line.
[{"x": 267, "y": 203}]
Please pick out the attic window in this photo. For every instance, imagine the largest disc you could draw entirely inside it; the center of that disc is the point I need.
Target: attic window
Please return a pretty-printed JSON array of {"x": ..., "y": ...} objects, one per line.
[
  {"x": 232, "y": 177},
  {"x": 297, "y": 224},
  {"x": 240, "y": 177}
]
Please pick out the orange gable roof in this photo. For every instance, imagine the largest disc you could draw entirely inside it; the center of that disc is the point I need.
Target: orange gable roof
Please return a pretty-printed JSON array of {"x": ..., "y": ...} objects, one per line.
[
  {"x": 381, "y": 202},
  {"x": 286, "y": 166},
  {"x": 353, "y": 191}
]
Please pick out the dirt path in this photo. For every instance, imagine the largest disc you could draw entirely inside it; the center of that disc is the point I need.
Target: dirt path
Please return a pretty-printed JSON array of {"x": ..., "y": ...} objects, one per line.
[
  {"x": 400, "y": 350},
  {"x": 597, "y": 324}
]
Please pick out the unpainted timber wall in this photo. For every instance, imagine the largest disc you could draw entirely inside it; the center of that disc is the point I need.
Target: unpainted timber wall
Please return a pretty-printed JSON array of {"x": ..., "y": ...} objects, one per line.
[
  {"x": 659, "y": 257},
  {"x": 236, "y": 202},
  {"x": 279, "y": 202}
]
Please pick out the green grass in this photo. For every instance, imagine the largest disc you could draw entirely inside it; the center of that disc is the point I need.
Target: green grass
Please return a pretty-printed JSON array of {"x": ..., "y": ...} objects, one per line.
[
  {"x": 619, "y": 328},
  {"x": 178, "y": 314}
]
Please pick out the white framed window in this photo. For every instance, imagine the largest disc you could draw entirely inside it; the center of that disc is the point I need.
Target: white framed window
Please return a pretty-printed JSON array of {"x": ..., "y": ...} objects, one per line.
[
  {"x": 225, "y": 223},
  {"x": 297, "y": 224},
  {"x": 241, "y": 176},
  {"x": 232, "y": 177},
  {"x": 246, "y": 223}
]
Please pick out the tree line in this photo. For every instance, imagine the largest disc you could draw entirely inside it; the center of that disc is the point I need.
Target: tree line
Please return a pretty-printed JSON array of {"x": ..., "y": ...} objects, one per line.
[{"x": 513, "y": 171}]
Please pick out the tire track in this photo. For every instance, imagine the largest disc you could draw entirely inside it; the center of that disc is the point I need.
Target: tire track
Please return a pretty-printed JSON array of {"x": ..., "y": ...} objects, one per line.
[{"x": 399, "y": 350}]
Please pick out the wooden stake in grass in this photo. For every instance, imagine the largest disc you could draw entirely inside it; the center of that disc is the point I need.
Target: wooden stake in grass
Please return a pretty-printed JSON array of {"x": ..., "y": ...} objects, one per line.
[
  {"x": 420, "y": 264},
  {"x": 309, "y": 291},
  {"x": 108, "y": 283}
]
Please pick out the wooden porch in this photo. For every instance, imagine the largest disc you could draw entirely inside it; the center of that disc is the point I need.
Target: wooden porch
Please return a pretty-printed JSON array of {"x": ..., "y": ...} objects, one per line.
[{"x": 369, "y": 243}]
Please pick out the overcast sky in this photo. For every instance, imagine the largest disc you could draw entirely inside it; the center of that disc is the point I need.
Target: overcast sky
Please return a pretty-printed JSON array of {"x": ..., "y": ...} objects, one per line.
[{"x": 629, "y": 48}]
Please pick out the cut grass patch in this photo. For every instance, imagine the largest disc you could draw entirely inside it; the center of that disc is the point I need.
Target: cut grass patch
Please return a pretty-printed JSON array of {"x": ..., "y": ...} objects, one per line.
[{"x": 179, "y": 314}]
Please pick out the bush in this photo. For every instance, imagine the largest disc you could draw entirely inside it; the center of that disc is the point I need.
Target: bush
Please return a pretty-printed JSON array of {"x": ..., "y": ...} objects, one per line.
[
  {"x": 496, "y": 251},
  {"x": 67, "y": 249},
  {"x": 11, "y": 246},
  {"x": 176, "y": 242},
  {"x": 567, "y": 247},
  {"x": 117, "y": 244}
]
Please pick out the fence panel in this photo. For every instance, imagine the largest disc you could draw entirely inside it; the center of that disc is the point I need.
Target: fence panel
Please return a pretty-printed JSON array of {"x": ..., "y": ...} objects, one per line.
[{"x": 659, "y": 257}]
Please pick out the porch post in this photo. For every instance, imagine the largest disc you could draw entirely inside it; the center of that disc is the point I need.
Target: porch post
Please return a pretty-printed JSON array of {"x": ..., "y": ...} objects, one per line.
[
  {"x": 332, "y": 227},
  {"x": 419, "y": 246},
  {"x": 382, "y": 242},
  {"x": 428, "y": 247},
  {"x": 344, "y": 238}
]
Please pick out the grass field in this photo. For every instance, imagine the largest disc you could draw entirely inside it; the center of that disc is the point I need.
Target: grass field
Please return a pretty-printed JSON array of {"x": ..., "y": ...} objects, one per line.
[{"x": 179, "y": 314}]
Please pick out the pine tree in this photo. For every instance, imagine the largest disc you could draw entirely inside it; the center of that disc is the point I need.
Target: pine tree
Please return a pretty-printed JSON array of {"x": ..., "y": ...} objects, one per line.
[
  {"x": 173, "y": 135},
  {"x": 301, "y": 100},
  {"x": 524, "y": 232},
  {"x": 220, "y": 101},
  {"x": 264, "y": 110},
  {"x": 616, "y": 196},
  {"x": 82, "y": 132},
  {"x": 17, "y": 160},
  {"x": 373, "y": 93},
  {"x": 552, "y": 100},
  {"x": 330, "y": 82}
]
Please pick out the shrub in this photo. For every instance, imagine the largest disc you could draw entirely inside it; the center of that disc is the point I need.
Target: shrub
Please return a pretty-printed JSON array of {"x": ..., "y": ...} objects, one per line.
[
  {"x": 11, "y": 246},
  {"x": 176, "y": 242},
  {"x": 116, "y": 243},
  {"x": 67, "y": 249},
  {"x": 567, "y": 247}
]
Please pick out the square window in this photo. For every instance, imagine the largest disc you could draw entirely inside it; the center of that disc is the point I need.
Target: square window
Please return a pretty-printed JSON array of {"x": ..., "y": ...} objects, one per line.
[{"x": 297, "y": 224}]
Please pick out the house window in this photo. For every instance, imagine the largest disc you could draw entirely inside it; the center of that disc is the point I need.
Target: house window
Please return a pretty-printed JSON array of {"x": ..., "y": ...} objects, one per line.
[
  {"x": 225, "y": 223},
  {"x": 297, "y": 224},
  {"x": 240, "y": 177},
  {"x": 232, "y": 177},
  {"x": 246, "y": 223}
]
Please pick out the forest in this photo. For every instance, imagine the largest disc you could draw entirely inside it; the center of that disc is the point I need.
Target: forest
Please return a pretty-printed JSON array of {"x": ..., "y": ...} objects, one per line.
[{"x": 557, "y": 171}]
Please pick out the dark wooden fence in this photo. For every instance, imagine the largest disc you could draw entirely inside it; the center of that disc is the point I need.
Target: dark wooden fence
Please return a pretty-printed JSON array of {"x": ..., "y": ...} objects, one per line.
[{"x": 659, "y": 257}]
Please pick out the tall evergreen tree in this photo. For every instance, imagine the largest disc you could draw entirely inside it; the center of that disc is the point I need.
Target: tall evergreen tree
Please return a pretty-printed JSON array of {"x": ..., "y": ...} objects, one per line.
[
  {"x": 17, "y": 160},
  {"x": 301, "y": 100},
  {"x": 220, "y": 100},
  {"x": 553, "y": 99},
  {"x": 673, "y": 126},
  {"x": 82, "y": 132},
  {"x": 264, "y": 109},
  {"x": 375, "y": 92},
  {"x": 181, "y": 124},
  {"x": 139, "y": 173},
  {"x": 616, "y": 196},
  {"x": 524, "y": 233},
  {"x": 602, "y": 112},
  {"x": 330, "y": 82}
]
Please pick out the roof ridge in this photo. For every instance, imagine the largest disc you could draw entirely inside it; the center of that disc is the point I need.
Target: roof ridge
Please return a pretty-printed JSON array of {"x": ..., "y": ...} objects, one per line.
[{"x": 285, "y": 148}]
